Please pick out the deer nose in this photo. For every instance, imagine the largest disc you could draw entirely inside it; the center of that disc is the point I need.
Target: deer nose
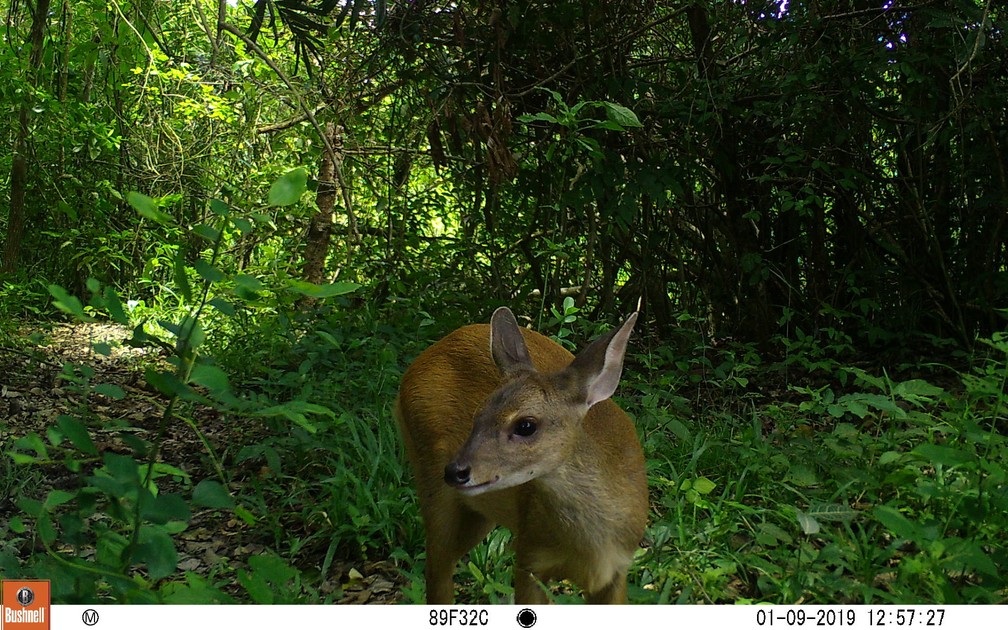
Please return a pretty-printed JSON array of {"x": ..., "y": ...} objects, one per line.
[{"x": 456, "y": 475}]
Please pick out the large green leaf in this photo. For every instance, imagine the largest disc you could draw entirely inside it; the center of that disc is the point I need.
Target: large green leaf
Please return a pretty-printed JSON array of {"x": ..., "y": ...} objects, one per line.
[
  {"x": 621, "y": 115},
  {"x": 323, "y": 290},
  {"x": 211, "y": 377},
  {"x": 287, "y": 190},
  {"x": 212, "y": 494},
  {"x": 77, "y": 433},
  {"x": 148, "y": 208},
  {"x": 165, "y": 507},
  {"x": 157, "y": 551},
  {"x": 66, "y": 302},
  {"x": 896, "y": 523},
  {"x": 943, "y": 455}
]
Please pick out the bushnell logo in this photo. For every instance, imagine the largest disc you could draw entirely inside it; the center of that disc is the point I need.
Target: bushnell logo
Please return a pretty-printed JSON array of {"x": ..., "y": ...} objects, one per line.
[{"x": 25, "y": 596}]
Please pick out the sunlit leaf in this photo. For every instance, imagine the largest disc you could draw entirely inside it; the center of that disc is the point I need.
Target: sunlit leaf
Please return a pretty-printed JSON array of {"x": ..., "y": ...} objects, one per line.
[
  {"x": 287, "y": 190},
  {"x": 148, "y": 207},
  {"x": 66, "y": 302},
  {"x": 323, "y": 290}
]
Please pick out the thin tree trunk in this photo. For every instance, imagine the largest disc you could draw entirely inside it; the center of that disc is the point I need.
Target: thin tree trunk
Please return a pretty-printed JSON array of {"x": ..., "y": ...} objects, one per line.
[
  {"x": 320, "y": 228},
  {"x": 22, "y": 146}
]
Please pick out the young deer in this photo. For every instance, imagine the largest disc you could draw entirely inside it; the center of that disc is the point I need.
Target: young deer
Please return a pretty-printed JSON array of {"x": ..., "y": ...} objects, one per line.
[{"x": 503, "y": 426}]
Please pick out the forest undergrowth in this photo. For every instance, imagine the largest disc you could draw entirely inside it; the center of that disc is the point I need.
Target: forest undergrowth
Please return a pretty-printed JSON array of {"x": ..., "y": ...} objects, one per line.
[{"x": 800, "y": 474}]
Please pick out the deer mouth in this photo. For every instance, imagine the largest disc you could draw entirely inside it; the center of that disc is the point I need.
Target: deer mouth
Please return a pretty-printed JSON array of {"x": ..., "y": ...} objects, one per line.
[{"x": 477, "y": 488}]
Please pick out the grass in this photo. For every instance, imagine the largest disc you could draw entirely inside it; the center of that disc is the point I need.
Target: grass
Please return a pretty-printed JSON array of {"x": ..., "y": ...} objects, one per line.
[
  {"x": 866, "y": 489},
  {"x": 890, "y": 492},
  {"x": 852, "y": 488},
  {"x": 802, "y": 479}
]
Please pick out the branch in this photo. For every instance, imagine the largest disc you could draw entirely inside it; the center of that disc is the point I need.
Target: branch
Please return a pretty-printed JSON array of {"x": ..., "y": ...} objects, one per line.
[
  {"x": 976, "y": 47},
  {"x": 597, "y": 50},
  {"x": 309, "y": 115},
  {"x": 287, "y": 124},
  {"x": 206, "y": 29}
]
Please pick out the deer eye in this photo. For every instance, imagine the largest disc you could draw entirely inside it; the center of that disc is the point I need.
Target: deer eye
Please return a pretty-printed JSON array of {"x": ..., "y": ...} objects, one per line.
[{"x": 525, "y": 427}]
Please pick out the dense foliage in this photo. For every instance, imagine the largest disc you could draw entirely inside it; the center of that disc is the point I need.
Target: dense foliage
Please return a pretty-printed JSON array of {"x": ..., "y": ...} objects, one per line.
[{"x": 286, "y": 201}]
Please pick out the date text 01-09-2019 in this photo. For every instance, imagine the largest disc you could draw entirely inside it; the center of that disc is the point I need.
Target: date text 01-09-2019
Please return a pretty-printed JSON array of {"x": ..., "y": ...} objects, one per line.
[{"x": 840, "y": 617}]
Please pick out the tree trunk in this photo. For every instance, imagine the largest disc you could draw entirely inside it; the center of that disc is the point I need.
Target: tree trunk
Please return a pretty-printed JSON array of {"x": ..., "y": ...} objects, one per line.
[
  {"x": 22, "y": 146},
  {"x": 320, "y": 227}
]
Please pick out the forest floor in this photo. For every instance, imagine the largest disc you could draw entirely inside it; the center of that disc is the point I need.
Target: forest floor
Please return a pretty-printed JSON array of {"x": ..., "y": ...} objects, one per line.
[
  {"x": 812, "y": 480},
  {"x": 36, "y": 389}
]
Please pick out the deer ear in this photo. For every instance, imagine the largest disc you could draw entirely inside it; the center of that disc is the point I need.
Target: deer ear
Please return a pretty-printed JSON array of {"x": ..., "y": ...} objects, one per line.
[
  {"x": 507, "y": 346},
  {"x": 598, "y": 367}
]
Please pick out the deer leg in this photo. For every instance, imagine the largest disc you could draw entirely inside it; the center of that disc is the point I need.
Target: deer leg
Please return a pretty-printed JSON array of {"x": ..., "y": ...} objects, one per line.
[{"x": 450, "y": 534}]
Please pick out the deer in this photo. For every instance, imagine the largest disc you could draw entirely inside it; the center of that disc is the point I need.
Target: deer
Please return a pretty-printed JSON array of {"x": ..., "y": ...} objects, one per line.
[{"x": 503, "y": 426}]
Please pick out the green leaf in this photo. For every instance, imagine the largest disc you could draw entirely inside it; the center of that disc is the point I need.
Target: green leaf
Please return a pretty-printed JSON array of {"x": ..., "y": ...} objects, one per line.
[
  {"x": 66, "y": 302},
  {"x": 163, "y": 508},
  {"x": 889, "y": 457},
  {"x": 247, "y": 287},
  {"x": 322, "y": 290},
  {"x": 242, "y": 224},
  {"x": 44, "y": 527},
  {"x": 212, "y": 494},
  {"x": 295, "y": 411},
  {"x": 207, "y": 233},
  {"x": 802, "y": 476},
  {"x": 208, "y": 272},
  {"x": 56, "y": 498},
  {"x": 22, "y": 459},
  {"x": 944, "y": 455},
  {"x": 195, "y": 591},
  {"x": 271, "y": 579},
  {"x": 858, "y": 404},
  {"x": 180, "y": 275},
  {"x": 807, "y": 522},
  {"x": 541, "y": 116},
  {"x": 968, "y": 554},
  {"x": 169, "y": 384},
  {"x": 114, "y": 306},
  {"x": 246, "y": 516},
  {"x": 260, "y": 592},
  {"x": 621, "y": 115},
  {"x": 122, "y": 467},
  {"x": 223, "y": 306},
  {"x": 833, "y": 512},
  {"x": 288, "y": 189},
  {"x": 771, "y": 535},
  {"x": 148, "y": 208},
  {"x": 703, "y": 485},
  {"x": 157, "y": 551},
  {"x": 192, "y": 331},
  {"x": 34, "y": 442},
  {"x": 219, "y": 208},
  {"x": 476, "y": 572},
  {"x": 896, "y": 523},
  {"x": 917, "y": 391},
  {"x": 162, "y": 469},
  {"x": 112, "y": 391},
  {"x": 211, "y": 377},
  {"x": 249, "y": 282},
  {"x": 609, "y": 125},
  {"x": 77, "y": 433},
  {"x": 31, "y": 507}
]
